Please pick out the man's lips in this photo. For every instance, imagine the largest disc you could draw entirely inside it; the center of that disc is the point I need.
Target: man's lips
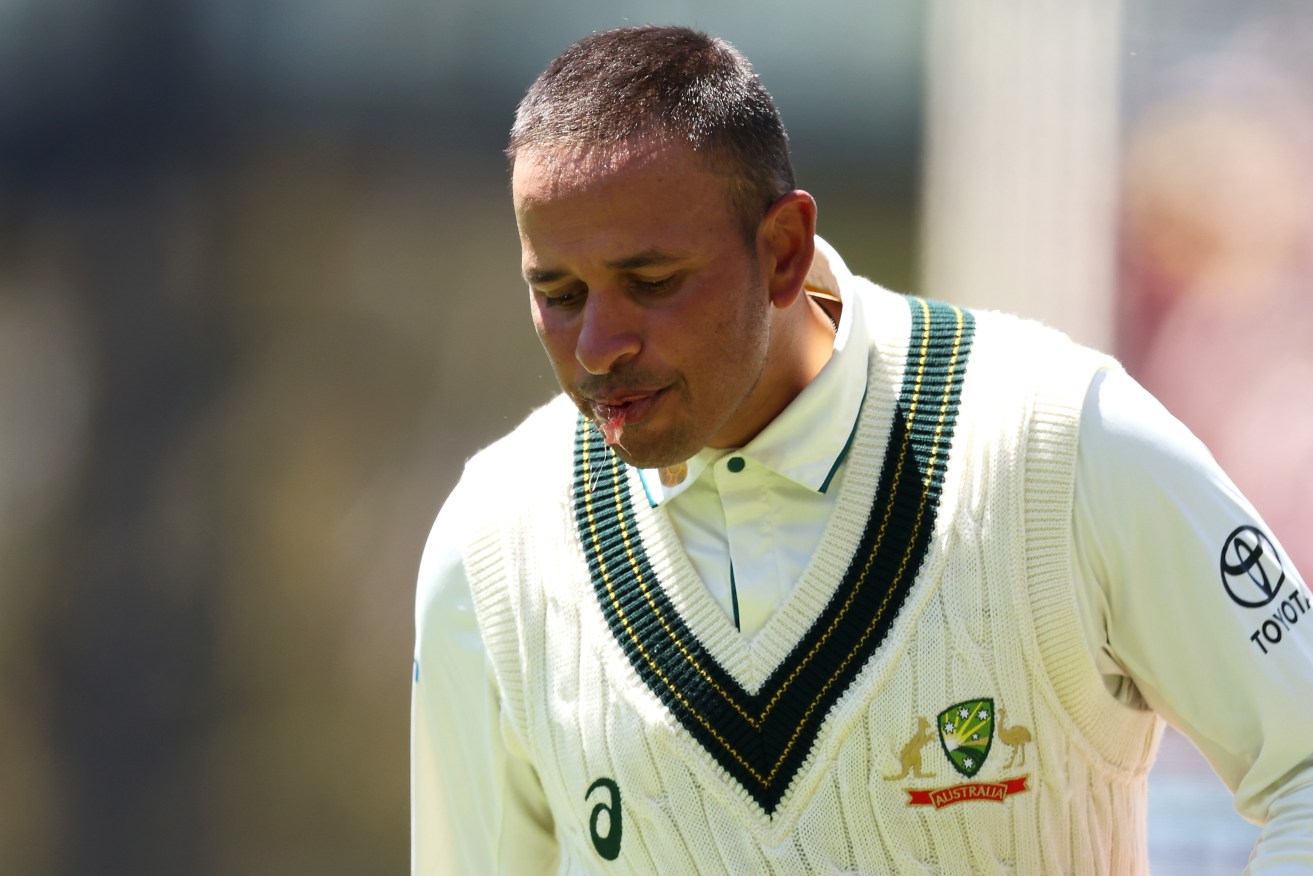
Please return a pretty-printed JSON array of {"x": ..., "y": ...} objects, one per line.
[
  {"x": 612, "y": 410},
  {"x": 627, "y": 405},
  {"x": 615, "y": 412}
]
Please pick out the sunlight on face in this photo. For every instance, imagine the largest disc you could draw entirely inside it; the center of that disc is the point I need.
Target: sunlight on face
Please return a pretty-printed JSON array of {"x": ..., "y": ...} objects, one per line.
[{"x": 652, "y": 309}]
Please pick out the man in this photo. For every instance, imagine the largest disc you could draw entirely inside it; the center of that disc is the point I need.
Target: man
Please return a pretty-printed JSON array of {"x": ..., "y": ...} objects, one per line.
[{"x": 802, "y": 576}]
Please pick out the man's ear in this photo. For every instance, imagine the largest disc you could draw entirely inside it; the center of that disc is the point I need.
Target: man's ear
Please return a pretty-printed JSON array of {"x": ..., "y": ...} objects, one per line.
[{"x": 786, "y": 242}]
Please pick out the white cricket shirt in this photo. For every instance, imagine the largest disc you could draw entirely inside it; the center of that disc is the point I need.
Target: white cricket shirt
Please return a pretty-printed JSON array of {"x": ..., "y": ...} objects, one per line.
[{"x": 1162, "y": 623}]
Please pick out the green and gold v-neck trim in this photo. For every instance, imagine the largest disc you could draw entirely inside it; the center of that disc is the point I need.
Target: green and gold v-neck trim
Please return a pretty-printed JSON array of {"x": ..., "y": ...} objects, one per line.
[{"x": 763, "y": 738}]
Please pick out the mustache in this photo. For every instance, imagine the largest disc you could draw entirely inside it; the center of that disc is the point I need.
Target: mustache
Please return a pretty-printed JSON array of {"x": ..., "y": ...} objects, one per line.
[{"x": 615, "y": 383}]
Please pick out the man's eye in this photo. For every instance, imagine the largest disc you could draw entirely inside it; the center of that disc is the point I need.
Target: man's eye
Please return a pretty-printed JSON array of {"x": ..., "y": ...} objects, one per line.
[
  {"x": 561, "y": 299},
  {"x": 654, "y": 285}
]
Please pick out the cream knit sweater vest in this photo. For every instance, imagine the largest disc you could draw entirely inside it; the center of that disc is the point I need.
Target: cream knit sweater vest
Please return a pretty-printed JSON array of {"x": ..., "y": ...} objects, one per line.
[{"x": 924, "y": 702}]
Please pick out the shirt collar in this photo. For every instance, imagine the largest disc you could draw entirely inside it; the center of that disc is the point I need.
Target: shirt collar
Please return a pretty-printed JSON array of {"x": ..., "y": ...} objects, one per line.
[{"x": 807, "y": 442}]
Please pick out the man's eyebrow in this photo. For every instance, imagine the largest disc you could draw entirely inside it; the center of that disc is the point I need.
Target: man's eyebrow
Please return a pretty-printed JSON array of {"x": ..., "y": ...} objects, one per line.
[
  {"x": 645, "y": 259},
  {"x": 542, "y": 276}
]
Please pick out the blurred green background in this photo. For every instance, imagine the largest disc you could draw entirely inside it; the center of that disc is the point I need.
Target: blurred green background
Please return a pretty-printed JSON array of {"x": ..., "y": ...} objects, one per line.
[{"x": 259, "y": 300}]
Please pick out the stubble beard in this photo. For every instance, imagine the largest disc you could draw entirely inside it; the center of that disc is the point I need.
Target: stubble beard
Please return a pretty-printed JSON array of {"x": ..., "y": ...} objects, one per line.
[
  {"x": 638, "y": 444},
  {"x": 682, "y": 438}
]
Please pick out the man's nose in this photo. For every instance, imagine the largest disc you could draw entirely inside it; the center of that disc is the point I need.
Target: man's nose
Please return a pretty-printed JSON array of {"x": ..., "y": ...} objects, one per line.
[{"x": 609, "y": 333}]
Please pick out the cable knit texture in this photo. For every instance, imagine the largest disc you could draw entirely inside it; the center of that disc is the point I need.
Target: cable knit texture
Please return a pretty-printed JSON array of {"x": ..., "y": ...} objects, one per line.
[{"x": 652, "y": 724}]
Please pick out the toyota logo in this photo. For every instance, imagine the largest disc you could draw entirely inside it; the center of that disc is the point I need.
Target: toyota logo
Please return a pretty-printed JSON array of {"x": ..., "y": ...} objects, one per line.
[{"x": 1251, "y": 568}]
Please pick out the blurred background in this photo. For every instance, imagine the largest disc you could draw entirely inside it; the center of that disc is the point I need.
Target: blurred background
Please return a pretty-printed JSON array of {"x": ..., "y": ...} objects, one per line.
[{"x": 259, "y": 301}]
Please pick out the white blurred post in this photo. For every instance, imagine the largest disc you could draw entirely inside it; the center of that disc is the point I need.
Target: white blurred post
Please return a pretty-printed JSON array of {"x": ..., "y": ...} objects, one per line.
[{"x": 1020, "y": 190}]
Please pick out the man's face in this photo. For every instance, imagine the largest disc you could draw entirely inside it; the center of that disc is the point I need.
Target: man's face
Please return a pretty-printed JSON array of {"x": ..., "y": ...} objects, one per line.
[{"x": 652, "y": 307}]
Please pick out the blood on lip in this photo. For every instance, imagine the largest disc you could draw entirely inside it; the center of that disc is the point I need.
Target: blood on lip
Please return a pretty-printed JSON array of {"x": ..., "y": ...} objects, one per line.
[
  {"x": 612, "y": 416},
  {"x": 611, "y": 420},
  {"x": 613, "y": 428}
]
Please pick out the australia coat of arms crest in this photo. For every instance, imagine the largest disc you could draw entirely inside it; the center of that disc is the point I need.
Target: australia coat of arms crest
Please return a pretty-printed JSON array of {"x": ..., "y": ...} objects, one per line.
[{"x": 966, "y": 732}]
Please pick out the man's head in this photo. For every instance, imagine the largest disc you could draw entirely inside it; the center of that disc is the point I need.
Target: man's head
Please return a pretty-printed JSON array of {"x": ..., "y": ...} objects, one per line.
[
  {"x": 670, "y": 82},
  {"x": 666, "y": 277}
]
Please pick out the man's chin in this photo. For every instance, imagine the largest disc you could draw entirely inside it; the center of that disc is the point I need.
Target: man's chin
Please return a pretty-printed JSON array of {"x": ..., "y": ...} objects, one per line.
[
  {"x": 642, "y": 454},
  {"x": 637, "y": 456}
]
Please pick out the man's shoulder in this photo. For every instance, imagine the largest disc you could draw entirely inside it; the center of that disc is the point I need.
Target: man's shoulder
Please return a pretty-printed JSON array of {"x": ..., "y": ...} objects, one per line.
[
  {"x": 1022, "y": 327},
  {"x": 540, "y": 446},
  {"x": 498, "y": 482}
]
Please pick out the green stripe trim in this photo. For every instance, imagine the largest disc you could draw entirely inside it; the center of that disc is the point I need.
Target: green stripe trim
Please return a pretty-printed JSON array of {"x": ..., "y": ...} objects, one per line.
[
  {"x": 762, "y": 739},
  {"x": 651, "y": 502},
  {"x": 734, "y": 598},
  {"x": 847, "y": 445}
]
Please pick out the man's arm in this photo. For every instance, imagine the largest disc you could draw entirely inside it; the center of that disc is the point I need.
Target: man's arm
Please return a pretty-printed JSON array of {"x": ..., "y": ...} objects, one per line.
[
  {"x": 476, "y": 805},
  {"x": 1185, "y": 597}
]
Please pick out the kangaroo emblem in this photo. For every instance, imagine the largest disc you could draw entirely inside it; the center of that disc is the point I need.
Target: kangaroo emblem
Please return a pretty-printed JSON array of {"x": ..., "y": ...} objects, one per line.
[{"x": 909, "y": 758}]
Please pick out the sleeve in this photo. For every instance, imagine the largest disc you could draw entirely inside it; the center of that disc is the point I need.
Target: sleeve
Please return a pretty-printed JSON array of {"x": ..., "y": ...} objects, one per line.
[
  {"x": 476, "y": 804},
  {"x": 1192, "y": 607}
]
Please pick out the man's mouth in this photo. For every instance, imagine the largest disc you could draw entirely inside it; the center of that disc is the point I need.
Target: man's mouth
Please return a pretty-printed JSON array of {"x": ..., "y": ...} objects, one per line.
[{"x": 613, "y": 415}]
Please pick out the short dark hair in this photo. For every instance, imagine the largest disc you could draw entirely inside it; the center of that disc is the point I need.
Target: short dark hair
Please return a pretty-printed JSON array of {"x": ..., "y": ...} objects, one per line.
[{"x": 611, "y": 86}]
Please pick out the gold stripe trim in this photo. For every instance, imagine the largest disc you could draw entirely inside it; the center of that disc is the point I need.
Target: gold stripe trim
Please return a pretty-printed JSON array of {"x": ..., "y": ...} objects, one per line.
[{"x": 758, "y": 722}]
